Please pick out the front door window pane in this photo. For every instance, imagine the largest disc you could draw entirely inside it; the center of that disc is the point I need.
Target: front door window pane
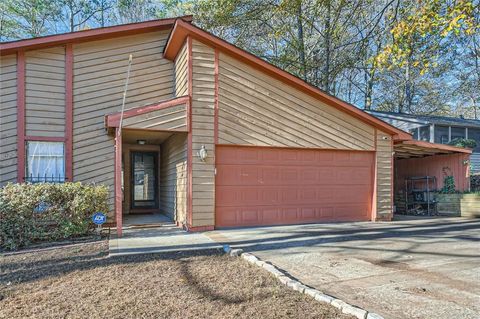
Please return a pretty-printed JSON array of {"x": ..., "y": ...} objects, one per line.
[{"x": 144, "y": 179}]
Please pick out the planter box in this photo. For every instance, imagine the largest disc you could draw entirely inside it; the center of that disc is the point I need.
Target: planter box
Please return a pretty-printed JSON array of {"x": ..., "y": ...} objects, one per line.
[{"x": 465, "y": 205}]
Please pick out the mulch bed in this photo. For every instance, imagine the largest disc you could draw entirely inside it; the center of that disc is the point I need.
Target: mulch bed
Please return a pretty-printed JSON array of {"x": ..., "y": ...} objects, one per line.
[{"x": 81, "y": 281}]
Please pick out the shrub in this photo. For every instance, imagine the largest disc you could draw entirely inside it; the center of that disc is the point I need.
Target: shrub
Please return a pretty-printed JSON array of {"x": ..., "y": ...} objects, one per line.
[
  {"x": 43, "y": 212},
  {"x": 463, "y": 142}
]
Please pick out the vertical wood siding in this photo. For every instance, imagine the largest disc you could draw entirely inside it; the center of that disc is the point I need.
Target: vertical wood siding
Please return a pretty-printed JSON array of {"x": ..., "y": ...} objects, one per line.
[
  {"x": 45, "y": 92},
  {"x": 181, "y": 72},
  {"x": 437, "y": 165},
  {"x": 257, "y": 109},
  {"x": 99, "y": 78},
  {"x": 384, "y": 173},
  {"x": 203, "y": 100},
  {"x": 173, "y": 177},
  {"x": 8, "y": 119}
]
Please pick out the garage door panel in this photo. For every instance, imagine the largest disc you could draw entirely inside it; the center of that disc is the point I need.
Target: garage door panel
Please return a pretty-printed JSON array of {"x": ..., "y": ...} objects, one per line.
[
  {"x": 285, "y": 195},
  {"x": 264, "y": 186}
]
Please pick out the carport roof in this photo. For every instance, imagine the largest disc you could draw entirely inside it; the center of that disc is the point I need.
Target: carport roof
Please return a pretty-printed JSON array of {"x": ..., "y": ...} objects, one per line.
[{"x": 414, "y": 148}]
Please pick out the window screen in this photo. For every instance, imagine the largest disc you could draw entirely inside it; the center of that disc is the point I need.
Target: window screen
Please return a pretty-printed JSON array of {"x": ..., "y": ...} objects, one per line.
[
  {"x": 458, "y": 132},
  {"x": 441, "y": 134},
  {"x": 424, "y": 133},
  {"x": 414, "y": 132},
  {"x": 45, "y": 162},
  {"x": 474, "y": 134}
]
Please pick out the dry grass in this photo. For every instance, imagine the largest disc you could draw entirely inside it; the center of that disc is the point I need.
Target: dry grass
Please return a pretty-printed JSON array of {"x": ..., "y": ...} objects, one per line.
[{"x": 82, "y": 282}]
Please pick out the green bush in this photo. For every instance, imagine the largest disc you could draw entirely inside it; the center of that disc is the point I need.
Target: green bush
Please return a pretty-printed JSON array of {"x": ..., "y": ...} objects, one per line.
[
  {"x": 43, "y": 212},
  {"x": 463, "y": 142}
]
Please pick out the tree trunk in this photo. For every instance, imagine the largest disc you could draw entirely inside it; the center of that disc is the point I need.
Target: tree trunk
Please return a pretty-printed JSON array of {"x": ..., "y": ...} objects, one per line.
[
  {"x": 301, "y": 53},
  {"x": 408, "y": 88},
  {"x": 326, "y": 69}
]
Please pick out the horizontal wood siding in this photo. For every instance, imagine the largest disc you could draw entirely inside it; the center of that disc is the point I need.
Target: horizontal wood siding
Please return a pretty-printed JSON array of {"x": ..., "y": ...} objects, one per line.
[
  {"x": 8, "y": 119},
  {"x": 257, "y": 109},
  {"x": 384, "y": 173},
  {"x": 171, "y": 118},
  {"x": 203, "y": 100},
  {"x": 475, "y": 162},
  {"x": 99, "y": 78},
  {"x": 173, "y": 177},
  {"x": 45, "y": 92},
  {"x": 181, "y": 72}
]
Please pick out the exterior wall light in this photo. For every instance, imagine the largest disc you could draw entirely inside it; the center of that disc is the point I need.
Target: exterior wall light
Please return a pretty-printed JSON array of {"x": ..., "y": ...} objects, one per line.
[
  {"x": 202, "y": 153},
  {"x": 141, "y": 142}
]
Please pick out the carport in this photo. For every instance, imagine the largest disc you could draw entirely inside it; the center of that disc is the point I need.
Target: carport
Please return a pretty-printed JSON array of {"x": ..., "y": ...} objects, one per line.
[{"x": 413, "y": 159}]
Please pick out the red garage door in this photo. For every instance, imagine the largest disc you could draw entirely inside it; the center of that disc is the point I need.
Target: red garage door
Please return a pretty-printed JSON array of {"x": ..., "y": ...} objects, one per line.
[{"x": 268, "y": 186}]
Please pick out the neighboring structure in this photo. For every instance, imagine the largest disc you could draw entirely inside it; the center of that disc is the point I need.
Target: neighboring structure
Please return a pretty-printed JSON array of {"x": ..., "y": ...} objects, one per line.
[
  {"x": 436, "y": 129},
  {"x": 212, "y": 136}
]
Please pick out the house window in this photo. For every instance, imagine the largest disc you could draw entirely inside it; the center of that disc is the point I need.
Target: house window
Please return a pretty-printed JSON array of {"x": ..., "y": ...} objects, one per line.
[
  {"x": 424, "y": 133},
  {"x": 414, "y": 132},
  {"x": 458, "y": 132},
  {"x": 474, "y": 134},
  {"x": 441, "y": 134},
  {"x": 45, "y": 162}
]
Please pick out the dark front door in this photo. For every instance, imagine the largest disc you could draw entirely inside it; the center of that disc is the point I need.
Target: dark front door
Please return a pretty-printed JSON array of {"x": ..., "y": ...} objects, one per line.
[{"x": 144, "y": 180}]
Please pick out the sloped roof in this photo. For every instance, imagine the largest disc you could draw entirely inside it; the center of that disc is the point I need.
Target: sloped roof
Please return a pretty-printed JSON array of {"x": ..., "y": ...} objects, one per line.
[
  {"x": 88, "y": 35},
  {"x": 430, "y": 119},
  {"x": 182, "y": 30}
]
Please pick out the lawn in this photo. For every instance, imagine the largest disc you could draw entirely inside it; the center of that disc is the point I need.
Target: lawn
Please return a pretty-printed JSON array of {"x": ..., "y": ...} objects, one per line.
[{"x": 81, "y": 281}]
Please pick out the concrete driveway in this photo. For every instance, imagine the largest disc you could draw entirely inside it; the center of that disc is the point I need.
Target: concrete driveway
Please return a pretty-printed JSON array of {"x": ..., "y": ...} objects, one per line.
[{"x": 415, "y": 268}]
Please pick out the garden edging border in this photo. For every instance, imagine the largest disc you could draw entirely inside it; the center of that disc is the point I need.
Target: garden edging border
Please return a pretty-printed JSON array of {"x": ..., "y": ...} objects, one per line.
[{"x": 296, "y": 285}]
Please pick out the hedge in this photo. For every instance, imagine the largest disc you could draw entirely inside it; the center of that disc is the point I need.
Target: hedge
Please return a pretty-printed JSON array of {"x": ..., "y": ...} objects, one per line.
[{"x": 31, "y": 213}]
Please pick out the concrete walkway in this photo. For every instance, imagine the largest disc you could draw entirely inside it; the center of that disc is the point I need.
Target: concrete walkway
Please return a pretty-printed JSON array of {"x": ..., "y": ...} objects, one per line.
[
  {"x": 417, "y": 268},
  {"x": 161, "y": 238}
]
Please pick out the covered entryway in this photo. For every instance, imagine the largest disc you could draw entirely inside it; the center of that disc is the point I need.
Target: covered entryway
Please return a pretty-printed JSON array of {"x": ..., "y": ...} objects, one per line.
[
  {"x": 271, "y": 186},
  {"x": 150, "y": 162}
]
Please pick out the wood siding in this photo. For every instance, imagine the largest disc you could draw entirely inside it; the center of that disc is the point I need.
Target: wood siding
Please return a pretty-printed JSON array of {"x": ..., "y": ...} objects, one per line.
[
  {"x": 45, "y": 92},
  {"x": 173, "y": 177},
  {"x": 171, "y": 118},
  {"x": 257, "y": 109},
  {"x": 384, "y": 173},
  {"x": 203, "y": 100},
  {"x": 99, "y": 78},
  {"x": 181, "y": 72},
  {"x": 8, "y": 119}
]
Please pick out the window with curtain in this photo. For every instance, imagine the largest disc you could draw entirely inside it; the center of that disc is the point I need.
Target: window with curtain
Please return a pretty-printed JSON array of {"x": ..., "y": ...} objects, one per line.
[{"x": 45, "y": 162}]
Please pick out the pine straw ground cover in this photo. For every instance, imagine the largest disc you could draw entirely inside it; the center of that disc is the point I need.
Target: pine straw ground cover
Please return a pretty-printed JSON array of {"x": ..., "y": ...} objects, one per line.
[{"x": 81, "y": 281}]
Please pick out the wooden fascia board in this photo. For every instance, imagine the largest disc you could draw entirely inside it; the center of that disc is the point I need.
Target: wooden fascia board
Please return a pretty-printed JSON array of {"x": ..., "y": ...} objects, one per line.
[
  {"x": 181, "y": 30},
  {"x": 89, "y": 35},
  {"x": 113, "y": 120},
  {"x": 433, "y": 146}
]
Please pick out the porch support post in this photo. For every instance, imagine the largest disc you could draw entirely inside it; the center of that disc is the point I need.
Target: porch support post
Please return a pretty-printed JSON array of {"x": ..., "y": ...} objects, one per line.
[
  {"x": 118, "y": 181},
  {"x": 373, "y": 213}
]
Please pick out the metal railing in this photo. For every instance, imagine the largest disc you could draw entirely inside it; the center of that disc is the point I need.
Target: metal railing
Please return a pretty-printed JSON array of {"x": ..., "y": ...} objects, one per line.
[{"x": 45, "y": 179}]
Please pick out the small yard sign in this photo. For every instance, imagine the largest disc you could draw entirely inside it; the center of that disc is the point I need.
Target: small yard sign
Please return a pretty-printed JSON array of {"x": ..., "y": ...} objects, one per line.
[
  {"x": 99, "y": 218},
  {"x": 42, "y": 207}
]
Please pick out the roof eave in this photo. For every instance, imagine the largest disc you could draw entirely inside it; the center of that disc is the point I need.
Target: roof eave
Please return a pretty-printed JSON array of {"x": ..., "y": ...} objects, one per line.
[
  {"x": 182, "y": 30},
  {"x": 89, "y": 35}
]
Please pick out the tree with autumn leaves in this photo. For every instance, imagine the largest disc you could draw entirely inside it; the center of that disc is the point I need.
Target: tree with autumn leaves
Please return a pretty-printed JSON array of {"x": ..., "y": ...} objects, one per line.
[{"x": 415, "y": 56}]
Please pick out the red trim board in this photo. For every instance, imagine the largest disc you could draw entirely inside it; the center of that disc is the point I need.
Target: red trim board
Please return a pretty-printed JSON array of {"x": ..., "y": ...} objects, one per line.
[
  {"x": 20, "y": 116},
  {"x": 190, "y": 136},
  {"x": 113, "y": 120},
  {"x": 69, "y": 112},
  {"x": 89, "y": 35}
]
